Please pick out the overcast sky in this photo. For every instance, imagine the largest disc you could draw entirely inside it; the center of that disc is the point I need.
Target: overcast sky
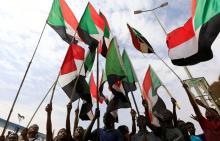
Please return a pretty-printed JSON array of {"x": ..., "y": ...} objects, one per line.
[{"x": 20, "y": 27}]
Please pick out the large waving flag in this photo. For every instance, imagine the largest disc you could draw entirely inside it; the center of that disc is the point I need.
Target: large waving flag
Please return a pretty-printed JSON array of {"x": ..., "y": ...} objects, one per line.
[
  {"x": 129, "y": 81},
  {"x": 70, "y": 69},
  {"x": 70, "y": 74},
  {"x": 140, "y": 43},
  {"x": 62, "y": 20},
  {"x": 115, "y": 72},
  {"x": 91, "y": 27},
  {"x": 155, "y": 103},
  {"x": 191, "y": 44}
]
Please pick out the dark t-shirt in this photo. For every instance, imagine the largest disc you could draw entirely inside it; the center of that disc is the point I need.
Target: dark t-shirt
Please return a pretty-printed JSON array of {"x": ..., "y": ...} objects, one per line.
[{"x": 107, "y": 135}]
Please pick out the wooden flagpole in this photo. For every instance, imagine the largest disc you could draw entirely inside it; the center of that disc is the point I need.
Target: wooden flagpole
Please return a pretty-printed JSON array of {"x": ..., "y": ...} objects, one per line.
[
  {"x": 97, "y": 88},
  {"x": 40, "y": 105},
  {"x": 22, "y": 82}
]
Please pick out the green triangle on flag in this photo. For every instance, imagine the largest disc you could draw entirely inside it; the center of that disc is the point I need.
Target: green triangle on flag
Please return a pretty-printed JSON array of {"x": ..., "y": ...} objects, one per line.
[
  {"x": 129, "y": 81},
  {"x": 62, "y": 20},
  {"x": 91, "y": 27},
  {"x": 114, "y": 65}
]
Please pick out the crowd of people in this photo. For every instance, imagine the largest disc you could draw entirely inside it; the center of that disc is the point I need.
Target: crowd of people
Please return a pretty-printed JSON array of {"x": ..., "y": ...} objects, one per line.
[{"x": 171, "y": 127}]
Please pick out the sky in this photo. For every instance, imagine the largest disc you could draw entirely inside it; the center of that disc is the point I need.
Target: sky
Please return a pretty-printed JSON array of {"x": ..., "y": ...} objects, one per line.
[{"x": 20, "y": 28}]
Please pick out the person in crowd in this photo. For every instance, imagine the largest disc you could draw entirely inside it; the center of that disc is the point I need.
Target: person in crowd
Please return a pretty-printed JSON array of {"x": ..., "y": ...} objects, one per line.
[
  {"x": 78, "y": 131},
  {"x": 23, "y": 136},
  {"x": 63, "y": 134},
  {"x": 12, "y": 137},
  {"x": 210, "y": 123},
  {"x": 32, "y": 133},
  {"x": 124, "y": 130},
  {"x": 168, "y": 130},
  {"x": 143, "y": 134},
  {"x": 183, "y": 128},
  {"x": 192, "y": 131},
  {"x": 107, "y": 133}
]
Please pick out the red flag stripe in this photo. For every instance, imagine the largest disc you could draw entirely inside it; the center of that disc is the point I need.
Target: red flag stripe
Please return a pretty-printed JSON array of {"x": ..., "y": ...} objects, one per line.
[
  {"x": 134, "y": 38},
  {"x": 180, "y": 35},
  {"x": 68, "y": 16},
  {"x": 96, "y": 18},
  {"x": 147, "y": 85},
  {"x": 74, "y": 52}
]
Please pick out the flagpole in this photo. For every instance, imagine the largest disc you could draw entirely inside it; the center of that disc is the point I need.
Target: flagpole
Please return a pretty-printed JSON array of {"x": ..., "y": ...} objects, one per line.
[
  {"x": 54, "y": 87},
  {"x": 97, "y": 89},
  {"x": 39, "y": 105},
  {"x": 18, "y": 92},
  {"x": 135, "y": 103}
]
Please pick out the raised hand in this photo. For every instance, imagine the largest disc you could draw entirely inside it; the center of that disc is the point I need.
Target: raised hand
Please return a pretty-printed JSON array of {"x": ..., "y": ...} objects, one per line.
[
  {"x": 133, "y": 113},
  {"x": 49, "y": 108},
  {"x": 69, "y": 107}
]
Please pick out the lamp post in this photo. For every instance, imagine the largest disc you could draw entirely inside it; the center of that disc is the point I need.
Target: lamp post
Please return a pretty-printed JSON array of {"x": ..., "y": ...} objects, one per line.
[{"x": 198, "y": 91}]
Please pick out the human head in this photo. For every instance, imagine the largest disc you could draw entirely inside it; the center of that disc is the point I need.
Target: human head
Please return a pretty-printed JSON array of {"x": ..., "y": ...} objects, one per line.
[
  {"x": 62, "y": 134},
  {"x": 123, "y": 129},
  {"x": 12, "y": 137},
  {"x": 211, "y": 114},
  {"x": 79, "y": 132},
  {"x": 108, "y": 120},
  {"x": 33, "y": 130},
  {"x": 141, "y": 121},
  {"x": 182, "y": 126},
  {"x": 191, "y": 128}
]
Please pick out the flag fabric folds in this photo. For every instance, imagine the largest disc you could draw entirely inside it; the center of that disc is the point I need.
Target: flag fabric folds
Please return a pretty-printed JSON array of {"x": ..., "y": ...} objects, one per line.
[
  {"x": 72, "y": 80},
  {"x": 150, "y": 85},
  {"x": 107, "y": 37},
  {"x": 128, "y": 82},
  {"x": 91, "y": 27},
  {"x": 62, "y": 20},
  {"x": 93, "y": 89},
  {"x": 70, "y": 69},
  {"x": 115, "y": 72},
  {"x": 139, "y": 42},
  {"x": 191, "y": 43}
]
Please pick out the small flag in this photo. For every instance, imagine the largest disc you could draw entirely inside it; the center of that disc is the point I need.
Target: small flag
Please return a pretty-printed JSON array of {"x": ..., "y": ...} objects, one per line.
[
  {"x": 155, "y": 103},
  {"x": 139, "y": 42}
]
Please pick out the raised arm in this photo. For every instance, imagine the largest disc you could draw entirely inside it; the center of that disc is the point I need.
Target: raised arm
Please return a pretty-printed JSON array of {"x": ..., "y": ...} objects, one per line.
[
  {"x": 49, "y": 135},
  {"x": 76, "y": 121},
  {"x": 174, "y": 112},
  {"x": 89, "y": 129},
  {"x": 133, "y": 116},
  {"x": 151, "y": 126},
  {"x": 193, "y": 103},
  {"x": 69, "y": 108}
]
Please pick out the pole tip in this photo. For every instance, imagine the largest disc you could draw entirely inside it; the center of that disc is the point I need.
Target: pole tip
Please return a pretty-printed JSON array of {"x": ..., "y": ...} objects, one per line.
[
  {"x": 137, "y": 11},
  {"x": 164, "y": 4}
]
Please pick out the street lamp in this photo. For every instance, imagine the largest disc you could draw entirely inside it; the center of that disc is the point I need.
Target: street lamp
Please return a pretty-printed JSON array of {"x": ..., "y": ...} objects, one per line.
[{"x": 140, "y": 11}]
